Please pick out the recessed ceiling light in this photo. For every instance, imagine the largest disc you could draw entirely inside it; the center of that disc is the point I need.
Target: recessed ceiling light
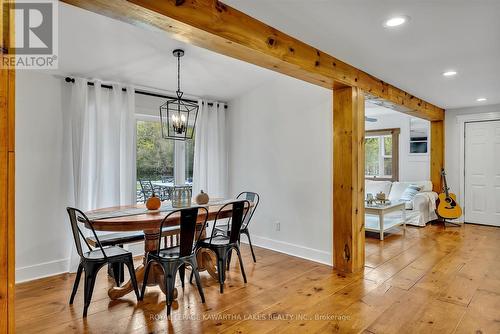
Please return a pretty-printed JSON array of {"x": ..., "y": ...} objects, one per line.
[
  {"x": 449, "y": 73},
  {"x": 481, "y": 99},
  {"x": 396, "y": 21}
]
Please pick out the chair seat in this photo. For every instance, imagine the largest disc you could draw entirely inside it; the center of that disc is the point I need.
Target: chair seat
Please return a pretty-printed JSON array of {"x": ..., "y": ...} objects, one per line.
[
  {"x": 171, "y": 252},
  {"x": 218, "y": 240},
  {"x": 111, "y": 251}
]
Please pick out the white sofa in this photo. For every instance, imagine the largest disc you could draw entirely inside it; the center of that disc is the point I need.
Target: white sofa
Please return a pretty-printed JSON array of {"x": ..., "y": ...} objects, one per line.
[{"x": 420, "y": 211}]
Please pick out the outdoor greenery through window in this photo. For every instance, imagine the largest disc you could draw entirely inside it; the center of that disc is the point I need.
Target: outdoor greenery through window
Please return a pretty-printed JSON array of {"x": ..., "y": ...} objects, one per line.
[
  {"x": 155, "y": 155},
  {"x": 380, "y": 162},
  {"x": 156, "y": 158}
]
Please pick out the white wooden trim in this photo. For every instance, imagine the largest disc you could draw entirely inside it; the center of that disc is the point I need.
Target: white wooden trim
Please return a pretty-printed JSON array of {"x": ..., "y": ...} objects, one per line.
[
  {"x": 40, "y": 270},
  {"x": 461, "y": 120},
  {"x": 303, "y": 252}
]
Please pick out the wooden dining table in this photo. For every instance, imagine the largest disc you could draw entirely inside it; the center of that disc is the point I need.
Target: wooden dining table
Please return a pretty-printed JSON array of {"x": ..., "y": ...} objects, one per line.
[{"x": 138, "y": 218}]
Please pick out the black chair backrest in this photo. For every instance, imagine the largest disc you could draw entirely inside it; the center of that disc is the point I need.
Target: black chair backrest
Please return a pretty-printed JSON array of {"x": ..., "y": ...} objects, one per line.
[
  {"x": 254, "y": 198},
  {"x": 147, "y": 188},
  {"x": 188, "y": 219},
  {"x": 77, "y": 217},
  {"x": 240, "y": 210}
]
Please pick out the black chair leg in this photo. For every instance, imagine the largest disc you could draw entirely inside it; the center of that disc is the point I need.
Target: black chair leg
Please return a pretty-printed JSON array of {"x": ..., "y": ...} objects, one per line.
[
  {"x": 116, "y": 271},
  {"x": 131, "y": 271},
  {"x": 77, "y": 281},
  {"x": 221, "y": 266},
  {"x": 182, "y": 271},
  {"x": 170, "y": 270},
  {"x": 229, "y": 259},
  {"x": 241, "y": 264},
  {"x": 91, "y": 270},
  {"x": 145, "y": 280},
  {"x": 250, "y": 244},
  {"x": 191, "y": 276},
  {"x": 220, "y": 270},
  {"x": 194, "y": 270}
]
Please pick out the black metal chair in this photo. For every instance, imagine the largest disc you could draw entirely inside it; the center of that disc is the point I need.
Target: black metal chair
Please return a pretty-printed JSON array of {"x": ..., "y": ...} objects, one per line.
[
  {"x": 254, "y": 198},
  {"x": 93, "y": 260},
  {"x": 148, "y": 188},
  {"x": 222, "y": 245},
  {"x": 173, "y": 259}
]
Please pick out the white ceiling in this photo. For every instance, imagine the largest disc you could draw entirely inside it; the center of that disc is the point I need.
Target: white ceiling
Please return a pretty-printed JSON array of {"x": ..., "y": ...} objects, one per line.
[
  {"x": 95, "y": 46},
  {"x": 463, "y": 35}
]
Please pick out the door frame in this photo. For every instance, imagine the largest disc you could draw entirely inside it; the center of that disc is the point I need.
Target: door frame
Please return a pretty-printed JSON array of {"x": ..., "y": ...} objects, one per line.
[{"x": 462, "y": 120}]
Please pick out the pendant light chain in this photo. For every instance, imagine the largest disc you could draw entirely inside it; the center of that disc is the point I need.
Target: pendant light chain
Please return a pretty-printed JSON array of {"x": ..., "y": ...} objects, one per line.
[{"x": 179, "y": 93}]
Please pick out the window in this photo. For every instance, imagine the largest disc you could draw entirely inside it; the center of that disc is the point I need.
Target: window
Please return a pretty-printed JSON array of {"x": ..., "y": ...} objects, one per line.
[
  {"x": 155, "y": 155},
  {"x": 381, "y": 154},
  {"x": 155, "y": 160},
  {"x": 418, "y": 136}
]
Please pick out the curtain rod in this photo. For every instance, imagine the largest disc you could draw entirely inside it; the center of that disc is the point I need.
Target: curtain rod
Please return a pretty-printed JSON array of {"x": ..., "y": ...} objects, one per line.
[{"x": 142, "y": 92}]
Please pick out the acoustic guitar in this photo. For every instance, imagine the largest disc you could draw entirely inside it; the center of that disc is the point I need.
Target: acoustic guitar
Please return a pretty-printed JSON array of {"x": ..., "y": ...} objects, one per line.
[{"x": 448, "y": 207}]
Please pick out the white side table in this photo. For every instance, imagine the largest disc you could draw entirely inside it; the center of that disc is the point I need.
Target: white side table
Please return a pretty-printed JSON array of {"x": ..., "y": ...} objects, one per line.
[{"x": 380, "y": 210}]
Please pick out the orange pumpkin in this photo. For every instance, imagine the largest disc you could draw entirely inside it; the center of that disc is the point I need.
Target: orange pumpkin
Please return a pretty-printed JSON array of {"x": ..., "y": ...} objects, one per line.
[{"x": 153, "y": 203}]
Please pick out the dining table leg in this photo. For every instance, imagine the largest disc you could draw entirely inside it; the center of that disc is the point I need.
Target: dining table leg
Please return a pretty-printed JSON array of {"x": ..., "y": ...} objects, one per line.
[
  {"x": 156, "y": 275},
  {"x": 206, "y": 261}
]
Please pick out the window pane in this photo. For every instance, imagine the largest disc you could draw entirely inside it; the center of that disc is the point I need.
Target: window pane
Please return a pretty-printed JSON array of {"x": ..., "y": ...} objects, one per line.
[
  {"x": 388, "y": 145},
  {"x": 372, "y": 156},
  {"x": 418, "y": 147},
  {"x": 155, "y": 155},
  {"x": 189, "y": 160},
  {"x": 388, "y": 166}
]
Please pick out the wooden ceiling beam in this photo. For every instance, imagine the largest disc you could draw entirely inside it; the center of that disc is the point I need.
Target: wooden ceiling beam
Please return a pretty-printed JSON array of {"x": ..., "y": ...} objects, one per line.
[{"x": 215, "y": 26}]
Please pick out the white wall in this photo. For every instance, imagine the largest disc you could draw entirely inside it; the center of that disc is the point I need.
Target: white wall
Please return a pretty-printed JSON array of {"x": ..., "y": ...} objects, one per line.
[
  {"x": 280, "y": 146},
  {"x": 411, "y": 167},
  {"x": 452, "y": 149},
  {"x": 42, "y": 230}
]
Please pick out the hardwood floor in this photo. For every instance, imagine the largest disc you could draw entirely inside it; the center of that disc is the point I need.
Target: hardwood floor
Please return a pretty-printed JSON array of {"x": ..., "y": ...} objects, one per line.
[{"x": 430, "y": 280}]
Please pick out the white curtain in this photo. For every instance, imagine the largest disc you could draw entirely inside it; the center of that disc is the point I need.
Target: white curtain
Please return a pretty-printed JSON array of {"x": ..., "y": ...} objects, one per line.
[
  {"x": 210, "y": 151},
  {"x": 101, "y": 146},
  {"x": 179, "y": 162}
]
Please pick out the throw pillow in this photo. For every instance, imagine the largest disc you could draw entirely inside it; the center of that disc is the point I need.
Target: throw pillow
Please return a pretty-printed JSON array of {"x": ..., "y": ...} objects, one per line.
[{"x": 410, "y": 193}]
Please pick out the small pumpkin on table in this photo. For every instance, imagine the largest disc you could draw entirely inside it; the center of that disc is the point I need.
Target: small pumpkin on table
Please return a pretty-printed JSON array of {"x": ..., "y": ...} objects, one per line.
[
  {"x": 153, "y": 203},
  {"x": 201, "y": 198}
]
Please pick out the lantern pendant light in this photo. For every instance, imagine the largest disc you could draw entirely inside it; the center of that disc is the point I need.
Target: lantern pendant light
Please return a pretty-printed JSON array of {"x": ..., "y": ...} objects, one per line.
[{"x": 177, "y": 115}]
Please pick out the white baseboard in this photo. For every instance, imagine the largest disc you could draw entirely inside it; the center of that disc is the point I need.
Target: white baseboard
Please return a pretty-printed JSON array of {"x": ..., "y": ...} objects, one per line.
[
  {"x": 40, "y": 270},
  {"x": 291, "y": 249}
]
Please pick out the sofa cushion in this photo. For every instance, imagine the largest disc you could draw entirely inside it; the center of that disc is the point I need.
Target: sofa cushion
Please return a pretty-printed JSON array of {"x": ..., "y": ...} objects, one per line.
[
  {"x": 410, "y": 193},
  {"x": 398, "y": 188},
  {"x": 374, "y": 187}
]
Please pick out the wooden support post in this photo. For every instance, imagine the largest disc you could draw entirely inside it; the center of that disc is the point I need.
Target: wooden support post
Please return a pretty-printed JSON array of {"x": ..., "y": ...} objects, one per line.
[
  {"x": 348, "y": 179},
  {"x": 7, "y": 117},
  {"x": 437, "y": 154}
]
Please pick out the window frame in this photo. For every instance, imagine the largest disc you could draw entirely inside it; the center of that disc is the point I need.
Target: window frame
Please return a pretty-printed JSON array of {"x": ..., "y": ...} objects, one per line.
[{"x": 394, "y": 132}]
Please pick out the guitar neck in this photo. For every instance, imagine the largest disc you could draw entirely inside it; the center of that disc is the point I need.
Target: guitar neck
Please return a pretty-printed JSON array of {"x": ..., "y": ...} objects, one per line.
[{"x": 445, "y": 183}]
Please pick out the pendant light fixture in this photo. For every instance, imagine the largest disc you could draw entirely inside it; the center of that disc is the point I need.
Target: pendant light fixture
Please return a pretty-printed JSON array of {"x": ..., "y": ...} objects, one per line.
[{"x": 178, "y": 116}]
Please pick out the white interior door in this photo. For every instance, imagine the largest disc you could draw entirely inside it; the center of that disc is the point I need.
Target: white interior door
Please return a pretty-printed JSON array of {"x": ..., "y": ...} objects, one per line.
[{"x": 482, "y": 173}]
